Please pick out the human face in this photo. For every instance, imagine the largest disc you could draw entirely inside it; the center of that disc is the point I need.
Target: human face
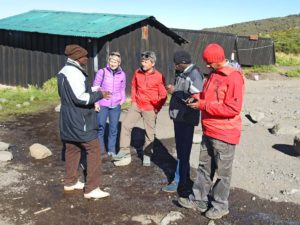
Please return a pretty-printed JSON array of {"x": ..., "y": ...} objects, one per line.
[
  {"x": 179, "y": 67},
  {"x": 114, "y": 62},
  {"x": 147, "y": 64}
]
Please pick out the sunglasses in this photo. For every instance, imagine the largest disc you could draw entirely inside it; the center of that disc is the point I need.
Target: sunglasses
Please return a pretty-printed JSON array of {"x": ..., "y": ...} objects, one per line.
[
  {"x": 145, "y": 55},
  {"x": 115, "y": 54}
]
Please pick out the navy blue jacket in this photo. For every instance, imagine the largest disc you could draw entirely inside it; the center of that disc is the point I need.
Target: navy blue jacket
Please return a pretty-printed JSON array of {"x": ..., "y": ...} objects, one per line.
[{"x": 77, "y": 116}]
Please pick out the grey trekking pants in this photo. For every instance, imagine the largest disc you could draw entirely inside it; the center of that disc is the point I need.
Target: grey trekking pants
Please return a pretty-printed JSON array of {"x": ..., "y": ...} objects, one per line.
[{"x": 215, "y": 164}]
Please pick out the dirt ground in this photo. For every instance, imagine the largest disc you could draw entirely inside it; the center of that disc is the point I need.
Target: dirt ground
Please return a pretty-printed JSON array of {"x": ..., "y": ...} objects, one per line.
[{"x": 266, "y": 170}]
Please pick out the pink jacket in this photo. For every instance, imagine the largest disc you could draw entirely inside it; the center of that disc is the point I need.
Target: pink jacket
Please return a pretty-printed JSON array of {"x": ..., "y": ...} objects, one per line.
[{"x": 115, "y": 84}]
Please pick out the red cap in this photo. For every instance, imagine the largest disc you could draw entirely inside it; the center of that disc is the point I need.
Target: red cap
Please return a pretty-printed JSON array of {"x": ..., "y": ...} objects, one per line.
[{"x": 213, "y": 53}]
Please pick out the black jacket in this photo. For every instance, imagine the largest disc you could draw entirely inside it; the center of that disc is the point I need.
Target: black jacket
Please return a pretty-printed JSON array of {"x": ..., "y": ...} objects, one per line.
[{"x": 77, "y": 116}]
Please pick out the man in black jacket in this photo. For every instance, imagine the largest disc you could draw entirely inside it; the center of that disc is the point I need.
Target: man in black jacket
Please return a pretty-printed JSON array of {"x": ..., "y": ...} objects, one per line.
[
  {"x": 188, "y": 83},
  {"x": 78, "y": 126}
]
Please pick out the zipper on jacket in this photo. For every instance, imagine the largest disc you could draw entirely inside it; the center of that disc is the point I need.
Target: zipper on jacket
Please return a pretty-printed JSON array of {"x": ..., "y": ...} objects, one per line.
[
  {"x": 84, "y": 126},
  {"x": 113, "y": 89},
  {"x": 217, "y": 93}
]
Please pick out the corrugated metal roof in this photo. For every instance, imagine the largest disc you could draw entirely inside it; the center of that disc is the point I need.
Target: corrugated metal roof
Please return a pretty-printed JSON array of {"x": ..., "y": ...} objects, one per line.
[{"x": 94, "y": 25}]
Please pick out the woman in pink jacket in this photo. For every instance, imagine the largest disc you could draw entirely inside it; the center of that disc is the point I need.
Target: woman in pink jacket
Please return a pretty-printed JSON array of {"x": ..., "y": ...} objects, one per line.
[{"x": 112, "y": 79}]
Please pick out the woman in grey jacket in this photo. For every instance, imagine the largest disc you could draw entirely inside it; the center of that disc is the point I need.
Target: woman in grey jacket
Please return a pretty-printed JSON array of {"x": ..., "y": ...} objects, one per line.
[{"x": 78, "y": 129}]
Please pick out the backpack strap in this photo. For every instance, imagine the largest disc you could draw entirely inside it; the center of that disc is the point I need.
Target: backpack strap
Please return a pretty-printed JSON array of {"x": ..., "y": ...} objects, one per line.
[{"x": 103, "y": 75}]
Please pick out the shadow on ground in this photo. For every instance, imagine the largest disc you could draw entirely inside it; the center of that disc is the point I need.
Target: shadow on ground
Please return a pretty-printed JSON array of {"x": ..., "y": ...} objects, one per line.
[
  {"x": 135, "y": 190},
  {"x": 286, "y": 149}
]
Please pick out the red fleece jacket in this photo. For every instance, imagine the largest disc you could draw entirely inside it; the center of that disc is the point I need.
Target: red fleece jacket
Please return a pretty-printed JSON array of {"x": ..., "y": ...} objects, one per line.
[
  {"x": 148, "y": 90},
  {"x": 221, "y": 103}
]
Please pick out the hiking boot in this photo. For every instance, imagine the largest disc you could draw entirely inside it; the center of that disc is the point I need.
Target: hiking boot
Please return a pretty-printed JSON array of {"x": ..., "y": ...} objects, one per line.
[
  {"x": 120, "y": 155},
  {"x": 192, "y": 204},
  {"x": 146, "y": 160},
  {"x": 96, "y": 193},
  {"x": 170, "y": 188},
  {"x": 214, "y": 214},
  {"x": 112, "y": 154},
  {"x": 78, "y": 186},
  {"x": 126, "y": 160}
]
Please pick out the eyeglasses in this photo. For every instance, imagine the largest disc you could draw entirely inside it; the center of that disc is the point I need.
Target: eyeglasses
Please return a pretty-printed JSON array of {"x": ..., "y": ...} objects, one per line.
[{"x": 115, "y": 54}]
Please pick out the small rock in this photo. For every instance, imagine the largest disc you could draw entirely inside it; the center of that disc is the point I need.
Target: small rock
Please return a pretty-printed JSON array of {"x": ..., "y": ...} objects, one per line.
[
  {"x": 5, "y": 156},
  {"x": 172, "y": 216},
  {"x": 3, "y": 100},
  {"x": 211, "y": 222},
  {"x": 256, "y": 116},
  {"x": 274, "y": 198},
  {"x": 293, "y": 191},
  {"x": 39, "y": 151},
  {"x": 26, "y": 104},
  {"x": 284, "y": 129},
  {"x": 275, "y": 100},
  {"x": 297, "y": 144},
  {"x": 3, "y": 146},
  {"x": 57, "y": 108},
  {"x": 32, "y": 98}
]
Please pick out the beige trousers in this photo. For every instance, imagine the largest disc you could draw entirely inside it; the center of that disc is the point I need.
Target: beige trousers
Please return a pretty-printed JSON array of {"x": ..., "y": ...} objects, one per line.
[{"x": 133, "y": 116}]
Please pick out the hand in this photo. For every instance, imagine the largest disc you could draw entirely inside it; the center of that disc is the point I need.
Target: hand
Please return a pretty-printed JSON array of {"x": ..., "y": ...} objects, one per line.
[
  {"x": 106, "y": 94},
  {"x": 192, "y": 103},
  {"x": 191, "y": 100},
  {"x": 170, "y": 88},
  {"x": 97, "y": 107}
]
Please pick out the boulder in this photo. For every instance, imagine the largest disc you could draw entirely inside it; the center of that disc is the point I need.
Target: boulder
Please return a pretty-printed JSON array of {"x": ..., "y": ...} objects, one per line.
[
  {"x": 278, "y": 129},
  {"x": 171, "y": 217},
  {"x": 5, "y": 156},
  {"x": 256, "y": 116},
  {"x": 39, "y": 151},
  {"x": 3, "y": 146},
  {"x": 297, "y": 144}
]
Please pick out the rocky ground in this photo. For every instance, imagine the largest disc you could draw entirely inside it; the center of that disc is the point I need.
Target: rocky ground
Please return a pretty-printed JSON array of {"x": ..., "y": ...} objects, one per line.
[{"x": 266, "y": 175}]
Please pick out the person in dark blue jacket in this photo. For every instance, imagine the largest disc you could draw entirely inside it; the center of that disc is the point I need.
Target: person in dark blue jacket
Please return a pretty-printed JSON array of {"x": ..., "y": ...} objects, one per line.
[{"x": 77, "y": 123}]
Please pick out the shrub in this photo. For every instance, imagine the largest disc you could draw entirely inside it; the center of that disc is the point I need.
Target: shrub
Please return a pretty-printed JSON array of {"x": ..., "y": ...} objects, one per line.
[
  {"x": 50, "y": 86},
  {"x": 293, "y": 73},
  {"x": 283, "y": 59}
]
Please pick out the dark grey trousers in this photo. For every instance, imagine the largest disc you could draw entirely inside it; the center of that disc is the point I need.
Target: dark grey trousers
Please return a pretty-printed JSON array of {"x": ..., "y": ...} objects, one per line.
[{"x": 214, "y": 172}]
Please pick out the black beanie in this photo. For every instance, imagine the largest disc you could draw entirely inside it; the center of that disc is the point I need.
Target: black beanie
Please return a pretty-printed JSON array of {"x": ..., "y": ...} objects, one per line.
[{"x": 182, "y": 57}]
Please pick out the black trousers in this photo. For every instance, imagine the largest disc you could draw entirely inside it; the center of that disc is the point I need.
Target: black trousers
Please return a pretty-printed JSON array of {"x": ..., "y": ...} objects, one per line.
[{"x": 184, "y": 140}]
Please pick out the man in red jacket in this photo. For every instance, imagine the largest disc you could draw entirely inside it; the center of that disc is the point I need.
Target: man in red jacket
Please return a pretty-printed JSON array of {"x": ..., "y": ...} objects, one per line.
[
  {"x": 148, "y": 95},
  {"x": 220, "y": 104}
]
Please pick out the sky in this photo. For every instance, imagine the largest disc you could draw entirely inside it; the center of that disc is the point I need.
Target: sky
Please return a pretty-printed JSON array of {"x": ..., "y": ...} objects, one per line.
[{"x": 184, "y": 14}]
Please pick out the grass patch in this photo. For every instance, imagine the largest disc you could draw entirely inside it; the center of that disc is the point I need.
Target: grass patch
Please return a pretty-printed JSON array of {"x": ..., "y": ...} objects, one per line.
[
  {"x": 260, "y": 69},
  {"x": 283, "y": 59},
  {"x": 18, "y": 101},
  {"x": 293, "y": 73}
]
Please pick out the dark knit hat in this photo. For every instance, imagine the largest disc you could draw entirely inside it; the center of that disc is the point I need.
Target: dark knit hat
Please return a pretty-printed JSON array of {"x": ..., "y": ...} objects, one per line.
[
  {"x": 75, "y": 52},
  {"x": 213, "y": 53},
  {"x": 182, "y": 57}
]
